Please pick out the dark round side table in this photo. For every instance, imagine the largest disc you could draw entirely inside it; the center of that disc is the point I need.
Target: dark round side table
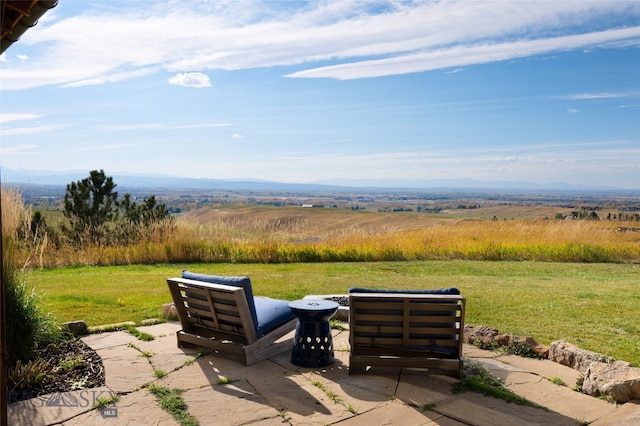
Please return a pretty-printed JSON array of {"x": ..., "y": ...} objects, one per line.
[{"x": 313, "y": 344}]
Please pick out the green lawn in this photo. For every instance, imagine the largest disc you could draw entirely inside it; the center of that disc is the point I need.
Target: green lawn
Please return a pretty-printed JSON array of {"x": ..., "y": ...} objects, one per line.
[{"x": 594, "y": 306}]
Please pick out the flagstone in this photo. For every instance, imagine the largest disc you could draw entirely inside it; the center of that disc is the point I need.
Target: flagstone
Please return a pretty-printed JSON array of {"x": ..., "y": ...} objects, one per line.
[
  {"x": 557, "y": 397},
  {"x": 112, "y": 339},
  {"x": 125, "y": 368},
  {"x": 54, "y": 408},
  {"x": 475, "y": 409},
  {"x": 302, "y": 402},
  {"x": 397, "y": 413},
  {"x": 544, "y": 367},
  {"x": 231, "y": 404},
  {"x": 137, "y": 408},
  {"x": 419, "y": 388}
]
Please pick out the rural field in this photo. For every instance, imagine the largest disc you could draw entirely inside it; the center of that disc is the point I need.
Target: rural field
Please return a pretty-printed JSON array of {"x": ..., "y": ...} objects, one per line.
[
  {"x": 522, "y": 272},
  {"x": 267, "y": 234}
]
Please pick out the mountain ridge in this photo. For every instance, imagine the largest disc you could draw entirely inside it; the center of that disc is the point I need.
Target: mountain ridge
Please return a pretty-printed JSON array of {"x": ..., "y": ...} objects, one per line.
[{"x": 124, "y": 179}]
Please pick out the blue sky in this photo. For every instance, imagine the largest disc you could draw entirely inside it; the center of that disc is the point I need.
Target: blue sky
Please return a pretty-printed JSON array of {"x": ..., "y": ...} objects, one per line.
[{"x": 331, "y": 91}]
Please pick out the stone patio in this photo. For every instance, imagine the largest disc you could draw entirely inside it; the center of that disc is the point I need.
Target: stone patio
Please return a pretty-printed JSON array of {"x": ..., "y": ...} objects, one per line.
[{"x": 276, "y": 392}]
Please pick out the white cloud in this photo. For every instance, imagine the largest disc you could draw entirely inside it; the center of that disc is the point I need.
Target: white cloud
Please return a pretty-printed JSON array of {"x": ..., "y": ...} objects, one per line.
[
  {"x": 572, "y": 110},
  {"x": 402, "y": 37},
  {"x": 22, "y": 57},
  {"x": 5, "y": 118},
  {"x": 31, "y": 130},
  {"x": 237, "y": 136},
  {"x": 191, "y": 79},
  {"x": 163, "y": 126},
  {"x": 119, "y": 76},
  {"x": 461, "y": 56},
  {"x": 602, "y": 95},
  {"x": 96, "y": 148},
  {"x": 17, "y": 150}
]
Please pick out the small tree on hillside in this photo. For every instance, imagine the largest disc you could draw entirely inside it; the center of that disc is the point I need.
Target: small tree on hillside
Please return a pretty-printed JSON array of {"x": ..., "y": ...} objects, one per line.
[
  {"x": 140, "y": 221},
  {"x": 90, "y": 205}
]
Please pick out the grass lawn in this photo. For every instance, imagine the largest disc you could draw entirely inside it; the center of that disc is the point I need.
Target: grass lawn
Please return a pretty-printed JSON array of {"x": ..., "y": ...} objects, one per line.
[{"x": 594, "y": 306}]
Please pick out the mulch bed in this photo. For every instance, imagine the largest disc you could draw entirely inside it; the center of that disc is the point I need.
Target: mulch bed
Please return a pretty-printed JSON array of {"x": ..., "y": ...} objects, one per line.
[{"x": 72, "y": 366}]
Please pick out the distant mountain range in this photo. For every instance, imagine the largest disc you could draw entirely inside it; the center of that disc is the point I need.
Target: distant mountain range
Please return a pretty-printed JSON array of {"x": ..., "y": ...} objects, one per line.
[{"x": 126, "y": 180}]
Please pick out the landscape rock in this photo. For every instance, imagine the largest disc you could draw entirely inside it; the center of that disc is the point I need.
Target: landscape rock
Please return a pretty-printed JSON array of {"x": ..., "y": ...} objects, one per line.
[
  {"x": 480, "y": 335},
  {"x": 490, "y": 338},
  {"x": 110, "y": 327},
  {"x": 169, "y": 311},
  {"x": 617, "y": 380},
  {"x": 572, "y": 356},
  {"x": 77, "y": 328}
]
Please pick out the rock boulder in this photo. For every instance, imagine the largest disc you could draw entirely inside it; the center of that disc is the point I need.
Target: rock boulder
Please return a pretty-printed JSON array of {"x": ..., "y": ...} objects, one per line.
[
  {"x": 617, "y": 380},
  {"x": 572, "y": 356}
]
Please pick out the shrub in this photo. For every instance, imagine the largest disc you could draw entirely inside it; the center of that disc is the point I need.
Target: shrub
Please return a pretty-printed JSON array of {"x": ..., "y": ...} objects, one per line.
[{"x": 27, "y": 326}]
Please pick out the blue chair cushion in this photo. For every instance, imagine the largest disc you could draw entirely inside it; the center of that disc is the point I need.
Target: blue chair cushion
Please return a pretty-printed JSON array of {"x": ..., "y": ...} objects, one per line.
[
  {"x": 272, "y": 313},
  {"x": 244, "y": 282}
]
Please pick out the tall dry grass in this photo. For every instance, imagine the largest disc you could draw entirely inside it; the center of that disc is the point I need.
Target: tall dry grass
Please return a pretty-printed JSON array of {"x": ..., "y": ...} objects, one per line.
[
  {"x": 27, "y": 325},
  {"x": 272, "y": 235}
]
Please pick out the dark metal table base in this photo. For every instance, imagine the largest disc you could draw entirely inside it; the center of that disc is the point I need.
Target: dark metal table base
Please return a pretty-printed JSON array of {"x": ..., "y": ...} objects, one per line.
[{"x": 313, "y": 344}]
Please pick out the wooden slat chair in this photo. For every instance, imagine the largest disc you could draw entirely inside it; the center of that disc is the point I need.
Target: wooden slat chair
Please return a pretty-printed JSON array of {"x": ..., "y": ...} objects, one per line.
[
  {"x": 221, "y": 314},
  {"x": 416, "y": 329}
]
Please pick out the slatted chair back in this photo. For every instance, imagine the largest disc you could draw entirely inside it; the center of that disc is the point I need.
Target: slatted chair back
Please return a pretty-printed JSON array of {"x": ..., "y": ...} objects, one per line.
[
  {"x": 213, "y": 310},
  {"x": 406, "y": 330}
]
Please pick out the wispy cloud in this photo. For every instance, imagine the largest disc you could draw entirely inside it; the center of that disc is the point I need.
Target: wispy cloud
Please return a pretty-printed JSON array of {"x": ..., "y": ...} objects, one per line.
[
  {"x": 461, "y": 56},
  {"x": 18, "y": 150},
  {"x": 8, "y": 117},
  {"x": 97, "y": 148},
  {"x": 30, "y": 130},
  {"x": 573, "y": 110},
  {"x": 601, "y": 95},
  {"x": 164, "y": 126},
  {"x": 112, "y": 78},
  {"x": 369, "y": 39}
]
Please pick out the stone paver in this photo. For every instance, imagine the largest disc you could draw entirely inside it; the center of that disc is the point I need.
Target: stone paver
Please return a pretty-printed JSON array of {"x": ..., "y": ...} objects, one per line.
[
  {"x": 627, "y": 414},
  {"x": 137, "y": 408},
  {"x": 475, "y": 409},
  {"x": 125, "y": 369},
  {"x": 397, "y": 413},
  {"x": 544, "y": 368},
  {"x": 236, "y": 403},
  {"x": 52, "y": 408},
  {"x": 560, "y": 398},
  {"x": 530, "y": 378},
  {"x": 108, "y": 340},
  {"x": 301, "y": 401},
  {"x": 418, "y": 388}
]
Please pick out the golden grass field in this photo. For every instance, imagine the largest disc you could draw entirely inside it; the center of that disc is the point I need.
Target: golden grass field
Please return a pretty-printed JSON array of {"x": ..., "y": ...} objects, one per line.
[{"x": 268, "y": 234}]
